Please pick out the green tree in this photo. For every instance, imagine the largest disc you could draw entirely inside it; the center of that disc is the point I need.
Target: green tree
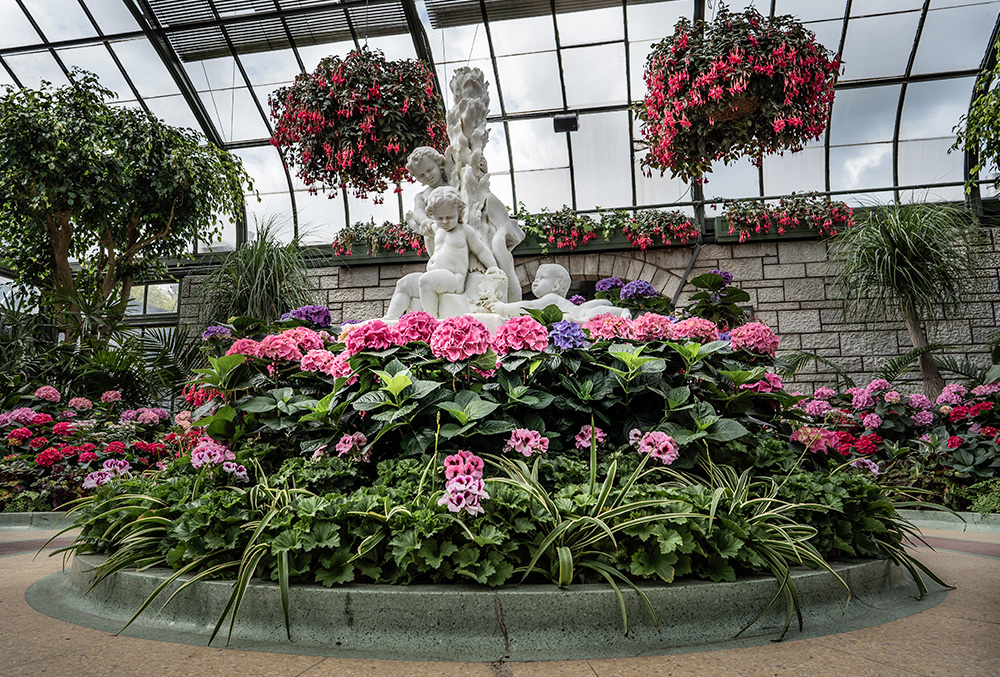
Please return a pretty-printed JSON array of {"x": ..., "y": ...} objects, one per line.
[
  {"x": 908, "y": 261},
  {"x": 112, "y": 188},
  {"x": 979, "y": 131}
]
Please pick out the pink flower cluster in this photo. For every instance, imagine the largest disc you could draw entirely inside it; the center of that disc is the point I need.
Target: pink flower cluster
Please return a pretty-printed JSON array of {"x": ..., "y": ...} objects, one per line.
[
  {"x": 527, "y": 442},
  {"x": 111, "y": 469},
  {"x": 754, "y": 337},
  {"x": 111, "y": 396},
  {"x": 816, "y": 440},
  {"x": 608, "y": 327},
  {"x": 459, "y": 338},
  {"x": 586, "y": 435},
  {"x": 81, "y": 403},
  {"x": 520, "y": 333},
  {"x": 371, "y": 335},
  {"x": 768, "y": 384},
  {"x": 348, "y": 443},
  {"x": 465, "y": 488},
  {"x": 416, "y": 326},
  {"x": 652, "y": 327},
  {"x": 246, "y": 347},
  {"x": 48, "y": 393},
  {"x": 336, "y": 365},
  {"x": 209, "y": 452},
  {"x": 696, "y": 328},
  {"x": 657, "y": 444}
]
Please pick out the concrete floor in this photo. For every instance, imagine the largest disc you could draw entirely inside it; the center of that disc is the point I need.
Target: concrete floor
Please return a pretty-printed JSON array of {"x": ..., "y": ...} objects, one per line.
[{"x": 960, "y": 636}]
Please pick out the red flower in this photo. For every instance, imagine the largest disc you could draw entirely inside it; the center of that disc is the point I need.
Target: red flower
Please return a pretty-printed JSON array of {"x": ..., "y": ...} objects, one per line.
[
  {"x": 38, "y": 443},
  {"x": 954, "y": 442},
  {"x": 115, "y": 447}
]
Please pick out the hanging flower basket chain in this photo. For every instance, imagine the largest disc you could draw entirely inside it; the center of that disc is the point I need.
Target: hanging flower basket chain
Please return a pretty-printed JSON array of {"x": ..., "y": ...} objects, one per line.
[
  {"x": 353, "y": 121},
  {"x": 742, "y": 85}
]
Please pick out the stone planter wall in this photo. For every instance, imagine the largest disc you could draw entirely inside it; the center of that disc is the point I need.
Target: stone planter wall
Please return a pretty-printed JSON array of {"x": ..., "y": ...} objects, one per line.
[{"x": 788, "y": 283}]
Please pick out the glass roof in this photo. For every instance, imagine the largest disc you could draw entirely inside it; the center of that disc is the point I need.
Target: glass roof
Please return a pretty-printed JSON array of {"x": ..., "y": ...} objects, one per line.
[{"x": 909, "y": 70}]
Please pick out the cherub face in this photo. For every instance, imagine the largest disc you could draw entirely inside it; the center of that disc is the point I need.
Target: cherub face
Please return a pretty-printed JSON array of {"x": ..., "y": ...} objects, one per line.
[
  {"x": 544, "y": 283},
  {"x": 446, "y": 218},
  {"x": 428, "y": 172}
]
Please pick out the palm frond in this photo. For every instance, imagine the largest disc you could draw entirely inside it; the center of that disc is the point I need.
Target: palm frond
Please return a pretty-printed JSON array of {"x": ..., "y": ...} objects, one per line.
[{"x": 897, "y": 366}]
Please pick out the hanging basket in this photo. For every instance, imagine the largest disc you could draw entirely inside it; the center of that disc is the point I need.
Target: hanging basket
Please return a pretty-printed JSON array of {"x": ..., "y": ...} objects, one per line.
[{"x": 740, "y": 107}]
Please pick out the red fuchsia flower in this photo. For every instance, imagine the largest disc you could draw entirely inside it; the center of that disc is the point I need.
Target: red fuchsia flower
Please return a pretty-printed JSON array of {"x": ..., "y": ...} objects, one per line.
[
  {"x": 111, "y": 396},
  {"x": 245, "y": 346},
  {"x": 697, "y": 329},
  {"x": 460, "y": 338},
  {"x": 371, "y": 335},
  {"x": 754, "y": 337},
  {"x": 63, "y": 429},
  {"x": 48, "y": 393},
  {"x": 816, "y": 440},
  {"x": 527, "y": 442},
  {"x": 768, "y": 384},
  {"x": 280, "y": 347},
  {"x": 954, "y": 442},
  {"x": 652, "y": 327},
  {"x": 41, "y": 419},
  {"x": 608, "y": 327},
  {"x": 587, "y": 435},
  {"x": 415, "y": 326},
  {"x": 520, "y": 333}
]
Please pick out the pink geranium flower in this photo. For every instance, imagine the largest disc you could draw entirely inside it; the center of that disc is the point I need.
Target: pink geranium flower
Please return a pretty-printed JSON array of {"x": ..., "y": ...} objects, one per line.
[
  {"x": 527, "y": 442},
  {"x": 586, "y": 435},
  {"x": 658, "y": 445}
]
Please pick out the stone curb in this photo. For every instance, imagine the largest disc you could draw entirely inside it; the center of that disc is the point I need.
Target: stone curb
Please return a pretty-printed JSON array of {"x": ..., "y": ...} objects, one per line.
[
  {"x": 42, "y": 521},
  {"x": 469, "y": 623},
  {"x": 963, "y": 521}
]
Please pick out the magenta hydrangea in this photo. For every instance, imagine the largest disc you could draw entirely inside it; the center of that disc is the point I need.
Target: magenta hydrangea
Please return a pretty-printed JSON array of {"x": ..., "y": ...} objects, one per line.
[
  {"x": 459, "y": 338},
  {"x": 768, "y": 384},
  {"x": 527, "y": 442},
  {"x": 652, "y": 327},
  {"x": 872, "y": 421},
  {"x": 608, "y": 327},
  {"x": 697, "y": 329},
  {"x": 416, "y": 326},
  {"x": 754, "y": 337},
  {"x": 817, "y": 407},
  {"x": 372, "y": 335},
  {"x": 317, "y": 360},
  {"x": 861, "y": 398},
  {"x": 923, "y": 418},
  {"x": 81, "y": 403},
  {"x": 48, "y": 393},
  {"x": 824, "y": 393},
  {"x": 520, "y": 333},
  {"x": 918, "y": 401},
  {"x": 816, "y": 440}
]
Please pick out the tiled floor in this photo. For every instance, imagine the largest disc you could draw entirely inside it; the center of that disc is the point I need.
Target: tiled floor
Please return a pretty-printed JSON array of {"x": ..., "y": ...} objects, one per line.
[{"x": 960, "y": 636}]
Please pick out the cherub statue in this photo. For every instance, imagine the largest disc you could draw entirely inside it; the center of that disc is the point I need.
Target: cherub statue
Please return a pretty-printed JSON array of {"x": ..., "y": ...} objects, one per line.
[
  {"x": 550, "y": 286},
  {"x": 427, "y": 166}
]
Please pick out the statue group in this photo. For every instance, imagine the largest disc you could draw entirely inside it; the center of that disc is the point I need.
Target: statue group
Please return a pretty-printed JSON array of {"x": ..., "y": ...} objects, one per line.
[{"x": 467, "y": 230}]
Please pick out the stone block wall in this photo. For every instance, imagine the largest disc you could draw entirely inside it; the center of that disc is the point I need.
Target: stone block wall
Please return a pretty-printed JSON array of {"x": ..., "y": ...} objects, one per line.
[{"x": 788, "y": 281}]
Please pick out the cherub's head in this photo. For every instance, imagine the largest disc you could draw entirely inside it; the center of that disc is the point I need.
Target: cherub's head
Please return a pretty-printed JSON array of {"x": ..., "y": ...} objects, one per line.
[
  {"x": 444, "y": 205},
  {"x": 551, "y": 278},
  {"x": 426, "y": 165}
]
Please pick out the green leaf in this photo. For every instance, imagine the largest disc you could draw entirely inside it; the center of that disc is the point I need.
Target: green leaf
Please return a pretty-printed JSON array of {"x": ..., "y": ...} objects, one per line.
[
  {"x": 726, "y": 429},
  {"x": 258, "y": 405}
]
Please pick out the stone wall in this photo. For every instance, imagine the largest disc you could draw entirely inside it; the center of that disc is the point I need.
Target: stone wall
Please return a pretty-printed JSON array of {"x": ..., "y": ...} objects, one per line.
[{"x": 788, "y": 282}]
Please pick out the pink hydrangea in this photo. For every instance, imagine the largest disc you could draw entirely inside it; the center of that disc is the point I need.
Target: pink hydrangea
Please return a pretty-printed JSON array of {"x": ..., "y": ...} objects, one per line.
[
  {"x": 878, "y": 385},
  {"x": 340, "y": 367},
  {"x": 696, "y": 328},
  {"x": 48, "y": 393},
  {"x": 317, "y": 360},
  {"x": 463, "y": 463},
  {"x": 245, "y": 346},
  {"x": 652, "y": 327},
  {"x": 527, "y": 442},
  {"x": 607, "y": 327},
  {"x": 585, "y": 436},
  {"x": 816, "y": 440},
  {"x": 986, "y": 389},
  {"x": 872, "y": 421},
  {"x": 861, "y": 398},
  {"x": 951, "y": 395},
  {"x": 41, "y": 419},
  {"x": 824, "y": 393},
  {"x": 817, "y": 407},
  {"x": 892, "y": 397},
  {"x": 372, "y": 335},
  {"x": 280, "y": 347},
  {"x": 659, "y": 445},
  {"x": 520, "y": 333},
  {"x": 111, "y": 396},
  {"x": 754, "y": 337},
  {"x": 923, "y": 418},
  {"x": 416, "y": 326},
  {"x": 63, "y": 429},
  {"x": 459, "y": 338},
  {"x": 305, "y": 338},
  {"x": 81, "y": 403},
  {"x": 918, "y": 401},
  {"x": 147, "y": 417},
  {"x": 768, "y": 384}
]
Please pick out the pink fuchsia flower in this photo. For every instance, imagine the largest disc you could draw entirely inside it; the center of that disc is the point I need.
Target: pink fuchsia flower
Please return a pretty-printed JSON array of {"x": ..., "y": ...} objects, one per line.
[
  {"x": 520, "y": 333},
  {"x": 41, "y": 419},
  {"x": 923, "y": 418},
  {"x": 607, "y": 327},
  {"x": 817, "y": 407},
  {"x": 697, "y": 329},
  {"x": 872, "y": 421},
  {"x": 919, "y": 401},
  {"x": 63, "y": 429},
  {"x": 81, "y": 403},
  {"x": 816, "y": 440},
  {"x": 305, "y": 338},
  {"x": 416, "y": 326},
  {"x": 527, "y": 442},
  {"x": 459, "y": 338},
  {"x": 464, "y": 492},
  {"x": 586, "y": 436},
  {"x": 463, "y": 463},
  {"x": 652, "y": 327},
  {"x": 371, "y": 335},
  {"x": 866, "y": 464},
  {"x": 754, "y": 337},
  {"x": 824, "y": 393},
  {"x": 48, "y": 393},
  {"x": 111, "y": 396},
  {"x": 659, "y": 445},
  {"x": 280, "y": 347},
  {"x": 246, "y": 347},
  {"x": 768, "y": 384},
  {"x": 892, "y": 397},
  {"x": 350, "y": 442}
]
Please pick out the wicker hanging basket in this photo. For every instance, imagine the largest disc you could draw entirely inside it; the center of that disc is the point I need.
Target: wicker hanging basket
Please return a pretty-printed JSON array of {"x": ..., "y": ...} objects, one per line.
[{"x": 739, "y": 107}]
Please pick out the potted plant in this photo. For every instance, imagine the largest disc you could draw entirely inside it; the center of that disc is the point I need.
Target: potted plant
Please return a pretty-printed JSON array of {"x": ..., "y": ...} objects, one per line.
[
  {"x": 808, "y": 211},
  {"x": 741, "y": 85},
  {"x": 353, "y": 121},
  {"x": 653, "y": 227}
]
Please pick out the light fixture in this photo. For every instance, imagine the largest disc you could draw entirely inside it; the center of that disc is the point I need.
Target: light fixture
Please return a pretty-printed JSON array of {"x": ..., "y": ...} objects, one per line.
[{"x": 566, "y": 122}]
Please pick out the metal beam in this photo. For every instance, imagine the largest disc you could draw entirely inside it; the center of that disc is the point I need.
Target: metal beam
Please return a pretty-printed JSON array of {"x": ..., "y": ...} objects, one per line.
[{"x": 902, "y": 95}]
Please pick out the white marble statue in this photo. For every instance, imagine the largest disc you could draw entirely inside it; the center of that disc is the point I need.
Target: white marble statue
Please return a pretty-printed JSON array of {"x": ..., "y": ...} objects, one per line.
[{"x": 550, "y": 287}]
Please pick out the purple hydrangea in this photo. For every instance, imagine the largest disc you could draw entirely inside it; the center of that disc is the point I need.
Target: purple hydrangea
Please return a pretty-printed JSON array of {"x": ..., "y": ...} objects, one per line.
[
  {"x": 318, "y": 315},
  {"x": 566, "y": 334},
  {"x": 576, "y": 299},
  {"x": 216, "y": 331},
  {"x": 608, "y": 283},
  {"x": 21, "y": 415},
  {"x": 639, "y": 289},
  {"x": 727, "y": 277}
]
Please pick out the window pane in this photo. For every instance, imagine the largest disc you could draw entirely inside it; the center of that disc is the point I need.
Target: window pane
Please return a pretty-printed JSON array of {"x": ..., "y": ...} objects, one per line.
[
  {"x": 548, "y": 188},
  {"x": 595, "y": 76},
  {"x": 863, "y": 166},
  {"x": 97, "y": 60},
  {"x": 362, "y": 211},
  {"x": 270, "y": 68},
  {"x": 954, "y": 39},
  {"x": 928, "y": 161},
  {"x": 33, "y": 67},
  {"x": 530, "y": 82},
  {"x": 274, "y": 210},
  {"x": 112, "y": 16},
  {"x": 517, "y": 36},
  {"x": 459, "y": 44},
  {"x": 811, "y": 10},
  {"x": 174, "y": 110},
  {"x": 932, "y": 109},
  {"x": 736, "y": 180},
  {"x": 162, "y": 298},
  {"x": 264, "y": 165},
  {"x": 319, "y": 217},
  {"x": 144, "y": 67},
  {"x": 313, "y": 54},
  {"x": 657, "y": 189},
  {"x": 60, "y": 19},
  {"x": 227, "y": 241},
  {"x": 601, "y": 161},
  {"x": 496, "y": 149},
  {"x": 596, "y": 25},
  {"x": 638, "y": 51},
  {"x": 15, "y": 29},
  {"x": 864, "y": 115},
  {"x": 795, "y": 172},
  {"x": 136, "y": 305},
  {"x": 394, "y": 46},
  {"x": 868, "y": 7},
  {"x": 655, "y": 21},
  {"x": 536, "y": 146},
  {"x": 828, "y": 33},
  {"x": 445, "y": 72},
  {"x": 234, "y": 113},
  {"x": 878, "y": 46}
]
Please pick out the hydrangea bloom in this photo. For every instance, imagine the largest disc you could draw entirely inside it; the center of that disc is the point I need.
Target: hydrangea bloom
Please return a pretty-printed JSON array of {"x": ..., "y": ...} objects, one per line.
[
  {"x": 527, "y": 442},
  {"x": 878, "y": 385},
  {"x": 280, "y": 347},
  {"x": 638, "y": 289},
  {"x": 318, "y": 315},
  {"x": 608, "y": 283},
  {"x": 147, "y": 418},
  {"x": 21, "y": 415},
  {"x": 696, "y": 328},
  {"x": 754, "y": 337},
  {"x": 923, "y": 418},
  {"x": 520, "y": 333},
  {"x": 341, "y": 367},
  {"x": 586, "y": 435},
  {"x": 216, "y": 333},
  {"x": 861, "y": 398},
  {"x": 567, "y": 334},
  {"x": 87, "y": 456},
  {"x": 918, "y": 401},
  {"x": 727, "y": 277},
  {"x": 954, "y": 442},
  {"x": 317, "y": 360},
  {"x": 18, "y": 435},
  {"x": 48, "y": 393},
  {"x": 768, "y": 384},
  {"x": 416, "y": 326},
  {"x": 40, "y": 419},
  {"x": 372, "y": 335},
  {"x": 816, "y": 440},
  {"x": 38, "y": 442},
  {"x": 607, "y": 327},
  {"x": 866, "y": 464},
  {"x": 63, "y": 428},
  {"x": 892, "y": 397},
  {"x": 116, "y": 447},
  {"x": 652, "y": 327},
  {"x": 659, "y": 445},
  {"x": 305, "y": 338},
  {"x": 459, "y": 338},
  {"x": 949, "y": 396},
  {"x": 111, "y": 396},
  {"x": 576, "y": 299},
  {"x": 872, "y": 421},
  {"x": 817, "y": 407},
  {"x": 81, "y": 403},
  {"x": 245, "y": 346},
  {"x": 824, "y": 393},
  {"x": 986, "y": 389}
]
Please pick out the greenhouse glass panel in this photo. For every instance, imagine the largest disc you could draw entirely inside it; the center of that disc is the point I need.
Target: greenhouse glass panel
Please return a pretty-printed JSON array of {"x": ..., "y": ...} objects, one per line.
[
  {"x": 601, "y": 159},
  {"x": 737, "y": 180},
  {"x": 144, "y": 67},
  {"x": 15, "y": 29},
  {"x": 173, "y": 110},
  {"x": 33, "y": 67},
  {"x": 928, "y": 161},
  {"x": 227, "y": 241},
  {"x": 596, "y": 25},
  {"x": 867, "y": 199},
  {"x": 594, "y": 76},
  {"x": 234, "y": 113},
  {"x": 98, "y": 61},
  {"x": 869, "y": 7},
  {"x": 60, "y": 19},
  {"x": 5, "y": 79},
  {"x": 530, "y": 82},
  {"x": 112, "y": 16},
  {"x": 535, "y": 146},
  {"x": 861, "y": 166},
  {"x": 656, "y": 189},
  {"x": 933, "y": 194},
  {"x": 274, "y": 209},
  {"x": 270, "y": 68},
  {"x": 795, "y": 172},
  {"x": 458, "y": 44},
  {"x": 878, "y": 46},
  {"x": 362, "y": 211},
  {"x": 864, "y": 115},
  {"x": 811, "y": 10},
  {"x": 955, "y": 39},
  {"x": 320, "y": 218},
  {"x": 520, "y": 36},
  {"x": 136, "y": 300},
  {"x": 394, "y": 46},
  {"x": 264, "y": 165},
  {"x": 501, "y": 186},
  {"x": 313, "y": 54},
  {"x": 638, "y": 51},
  {"x": 496, "y": 149},
  {"x": 932, "y": 109},
  {"x": 545, "y": 189},
  {"x": 827, "y": 33},
  {"x": 655, "y": 21}
]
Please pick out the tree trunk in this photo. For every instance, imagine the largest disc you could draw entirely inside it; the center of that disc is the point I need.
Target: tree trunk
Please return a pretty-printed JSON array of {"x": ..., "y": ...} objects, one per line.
[{"x": 933, "y": 381}]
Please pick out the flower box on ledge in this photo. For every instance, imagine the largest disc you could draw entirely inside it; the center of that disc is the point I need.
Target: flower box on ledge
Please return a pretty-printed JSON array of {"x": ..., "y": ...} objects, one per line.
[{"x": 723, "y": 236}]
